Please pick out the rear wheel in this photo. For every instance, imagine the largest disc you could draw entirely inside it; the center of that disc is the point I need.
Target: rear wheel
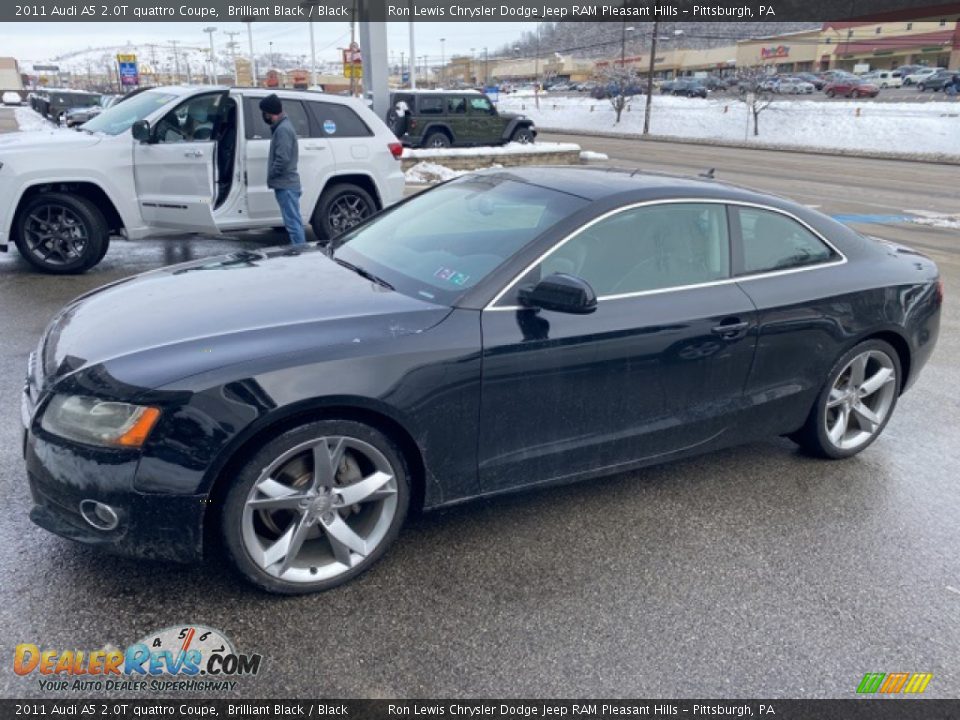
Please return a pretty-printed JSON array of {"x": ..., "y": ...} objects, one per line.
[
  {"x": 315, "y": 507},
  {"x": 340, "y": 208},
  {"x": 830, "y": 93},
  {"x": 61, "y": 233},
  {"x": 921, "y": 87},
  {"x": 856, "y": 402},
  {"x": 437, "y": 139}
]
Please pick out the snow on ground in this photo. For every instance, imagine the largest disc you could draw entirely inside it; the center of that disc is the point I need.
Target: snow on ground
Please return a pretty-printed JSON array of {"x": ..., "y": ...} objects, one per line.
[
  {"x": 950, "y": 222},
  {"x": 508, "y": 149},
  {"x": 586, "y": 155},
  {"x": 848, "y": 125},
  {"x": 30, "y": 121},
  {"x": 426, "y": 173}
]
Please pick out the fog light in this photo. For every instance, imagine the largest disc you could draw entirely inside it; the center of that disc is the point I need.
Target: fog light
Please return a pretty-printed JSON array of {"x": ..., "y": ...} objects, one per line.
[{"x": 102, "y": 517}]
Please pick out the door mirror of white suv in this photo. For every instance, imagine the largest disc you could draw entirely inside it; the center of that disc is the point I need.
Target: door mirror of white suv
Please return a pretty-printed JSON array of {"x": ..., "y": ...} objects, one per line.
[{"x": 141, "y": 131}]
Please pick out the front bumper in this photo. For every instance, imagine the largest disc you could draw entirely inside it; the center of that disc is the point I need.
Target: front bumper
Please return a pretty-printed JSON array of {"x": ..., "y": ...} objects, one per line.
[{"x": 62, "y": 474}]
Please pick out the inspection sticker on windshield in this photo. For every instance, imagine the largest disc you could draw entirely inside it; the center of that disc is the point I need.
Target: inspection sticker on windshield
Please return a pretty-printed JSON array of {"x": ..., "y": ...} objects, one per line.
[
  {"x": 329, "y": 127},
  {"x": 457, "y": 278}
]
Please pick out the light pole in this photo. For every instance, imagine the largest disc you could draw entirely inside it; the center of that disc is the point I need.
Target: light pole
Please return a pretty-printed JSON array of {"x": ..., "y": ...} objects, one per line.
[
  {"x": 313, "y": 58},
  {"x": 486, "y": 69},
  {"x": 232, "y": 45},
  {"x": 253, "y": 60},
  {"x": 176, "y": 59},
  {"x": 623, "y": 44},
  {"x": 213, "y": 62},
  {"x": 413, "y": 59},
  {"x": 443, "y": 63}
]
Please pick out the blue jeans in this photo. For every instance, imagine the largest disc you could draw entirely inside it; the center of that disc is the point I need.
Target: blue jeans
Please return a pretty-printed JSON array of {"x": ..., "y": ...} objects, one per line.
[{"x": 289, "y": 202}]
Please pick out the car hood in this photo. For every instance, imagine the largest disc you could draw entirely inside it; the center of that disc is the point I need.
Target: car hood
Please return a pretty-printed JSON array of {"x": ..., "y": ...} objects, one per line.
[
  {"x": 152, "y": 329},
  {"x": 57, "y": 140}
]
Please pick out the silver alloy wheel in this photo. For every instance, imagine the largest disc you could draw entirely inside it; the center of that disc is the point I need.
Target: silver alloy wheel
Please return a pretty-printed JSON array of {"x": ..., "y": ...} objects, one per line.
[
  {"x": 860, "y": 400},
  {"x": 55, "y": 234},
  {"x": 319, "y": 509},
  {"x": 347, "y": 211}
]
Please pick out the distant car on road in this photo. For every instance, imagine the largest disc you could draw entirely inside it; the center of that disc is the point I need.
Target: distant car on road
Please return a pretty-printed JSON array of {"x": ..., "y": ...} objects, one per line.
[
  {"x": 886, "y": 78},
  {"x": 11, "y": 98},
  {"x": 815, "y": 80},
  {"x": 688, "y": 88},
  {"x": 510, "y": 329},
  {"x": 441, "y": 119},
  {"x": 920, "y": 75},
  {"x": 793, "y": 86},
  {"x": 850, "y": 87}
]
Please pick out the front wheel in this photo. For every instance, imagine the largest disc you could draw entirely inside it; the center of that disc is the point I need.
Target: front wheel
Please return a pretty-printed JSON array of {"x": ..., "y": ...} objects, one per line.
[
  {"x": 524, "y": 136},
  {"x": 921, "y": 87},
  {"x": 315, "y": 507},
  {"x": 340, "y": 208},
  {"x": 856, "y": 402},
  {"x": 61, "y": 234},
  {"x": 437, "y": 140},
  {"x": 830, "y": 93}
]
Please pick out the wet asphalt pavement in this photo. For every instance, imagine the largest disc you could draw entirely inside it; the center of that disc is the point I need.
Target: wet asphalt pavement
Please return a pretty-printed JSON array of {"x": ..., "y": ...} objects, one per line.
[{"x": 753, "y": 572}]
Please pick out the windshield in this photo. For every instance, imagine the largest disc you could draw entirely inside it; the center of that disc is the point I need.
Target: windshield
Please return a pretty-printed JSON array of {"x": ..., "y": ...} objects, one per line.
[
  {"x": 445, "y": 241},
  {"x": 118, "y": 118}
]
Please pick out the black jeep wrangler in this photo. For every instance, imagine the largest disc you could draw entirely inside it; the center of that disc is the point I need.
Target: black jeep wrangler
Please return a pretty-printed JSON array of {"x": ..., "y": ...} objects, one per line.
[{"x": 448, "y": 118}]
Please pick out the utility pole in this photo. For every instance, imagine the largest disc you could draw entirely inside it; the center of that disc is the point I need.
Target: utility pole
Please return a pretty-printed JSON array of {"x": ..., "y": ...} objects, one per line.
[
  {"x": 401, "y": 68},
  {"x": 232, "y": 45},
  {"x": 486, "y": 69},
  {"x": 443, "y": 63},
  {"x": 353, "y": 42},
  {"x": 253, "y": 61},
  {"x": 413, "y": 59},
  {"x": 313, "y": 58},
  {"x": 650, "y": 70},
  {"x": 213, "y": 61},
  {"x": 536, "y": 71},
  {"x": 176, "y": 60}
]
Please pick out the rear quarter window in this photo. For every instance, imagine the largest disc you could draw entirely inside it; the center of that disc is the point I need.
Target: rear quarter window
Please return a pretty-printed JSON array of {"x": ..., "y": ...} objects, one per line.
[{"x": 331, "y": 120}]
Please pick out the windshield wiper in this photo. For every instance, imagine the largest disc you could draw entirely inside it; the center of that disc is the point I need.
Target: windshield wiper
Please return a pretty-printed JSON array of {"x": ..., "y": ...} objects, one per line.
[{"x": 363, "y": 273}]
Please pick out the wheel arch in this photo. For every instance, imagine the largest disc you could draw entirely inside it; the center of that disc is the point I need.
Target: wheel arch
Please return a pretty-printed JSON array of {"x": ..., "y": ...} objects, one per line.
[
  {"x": 88, "y": 190},
  {"x": 437, "y": 127},
  {"x": 245, "y": 445},
  {"x": 899, "y": 343},
  {"x": 361, "y": 180}
]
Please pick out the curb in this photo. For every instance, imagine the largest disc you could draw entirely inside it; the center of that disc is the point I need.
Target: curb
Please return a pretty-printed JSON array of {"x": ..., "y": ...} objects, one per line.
[{"x": 931, "y": 158}]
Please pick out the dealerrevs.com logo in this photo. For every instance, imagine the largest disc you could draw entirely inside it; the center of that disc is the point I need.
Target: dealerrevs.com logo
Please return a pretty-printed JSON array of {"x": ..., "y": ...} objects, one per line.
[{"x": 190, "y": 658}]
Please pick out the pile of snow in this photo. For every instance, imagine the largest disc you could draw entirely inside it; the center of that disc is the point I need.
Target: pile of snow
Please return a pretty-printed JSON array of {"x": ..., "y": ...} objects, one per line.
[
  {"x": 586, "y": 155},
  {"x": 427, "y": 173},
  {"x": 508, "y": 149},
  {"x": 848, "y": 125},
  {"x": 31, "y": 121},
  {"x": 950, "y": 222}
]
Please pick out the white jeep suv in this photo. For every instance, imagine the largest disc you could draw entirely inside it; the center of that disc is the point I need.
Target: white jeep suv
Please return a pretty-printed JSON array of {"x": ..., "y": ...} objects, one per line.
[{"x": 188, "y": 159}]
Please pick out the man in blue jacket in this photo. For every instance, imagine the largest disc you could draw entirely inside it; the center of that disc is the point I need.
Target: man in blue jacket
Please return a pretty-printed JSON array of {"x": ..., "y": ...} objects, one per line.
[{"x": 282, "y": 174}]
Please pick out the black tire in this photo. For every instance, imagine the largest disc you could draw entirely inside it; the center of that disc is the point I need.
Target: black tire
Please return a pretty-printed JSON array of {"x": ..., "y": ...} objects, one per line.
[
  {"x": 437, "y": 139},
  {"x": 830, "y": 93},
  {"x": 90, "y": 222},
  {"x": 812, "y": 437},
  {"x": 333, "y": 217},
  {"x": 523, "y": 135},
  {"x": 232, "y": 513},
  {"x": 921, "y": 87}
]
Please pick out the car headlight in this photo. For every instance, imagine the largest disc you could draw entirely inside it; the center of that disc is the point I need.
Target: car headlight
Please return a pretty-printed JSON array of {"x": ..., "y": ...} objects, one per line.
[{"x": 99, "y": 422}]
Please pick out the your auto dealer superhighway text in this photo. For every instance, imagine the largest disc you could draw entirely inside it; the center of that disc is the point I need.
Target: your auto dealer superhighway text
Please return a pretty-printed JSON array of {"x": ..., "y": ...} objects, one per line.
[{"x": 546, "y": 710}]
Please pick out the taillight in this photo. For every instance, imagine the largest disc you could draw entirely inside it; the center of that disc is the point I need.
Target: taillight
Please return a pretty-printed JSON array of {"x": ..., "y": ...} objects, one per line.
[{"x": 396, "y": 149}]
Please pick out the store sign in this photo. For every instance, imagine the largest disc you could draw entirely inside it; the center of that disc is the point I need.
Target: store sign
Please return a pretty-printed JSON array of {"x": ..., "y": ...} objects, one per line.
[
  {"x": 129, "y": 75},
  {"x": 775, "y": 51},
  {"x": 352, "y": 61}
]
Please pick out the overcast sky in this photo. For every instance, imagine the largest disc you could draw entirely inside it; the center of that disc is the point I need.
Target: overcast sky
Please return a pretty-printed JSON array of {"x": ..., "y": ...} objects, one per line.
[{"x": 38, "y": 42}]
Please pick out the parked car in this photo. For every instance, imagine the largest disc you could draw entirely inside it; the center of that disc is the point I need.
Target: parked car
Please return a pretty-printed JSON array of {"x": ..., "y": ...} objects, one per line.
[
  {"x": 481, "y": 337},
  {"x": 793, "y": 86},
  {"x": 439, "y": 119},
  {"x": 77, "y": 116},
  {"x": 815, "y": 80},
  {"x": 850, "y": 87},
  {"x": 887, "y": 79},
  {"x": 188, "y": 159},
  {"x": 920, "y": 75},
  {"x": 906, "y": 70},
  {"x": 688, "y": 88},
  {"x": 55, "y": 103},
  {"x": 666, "y": 87},
  {"x": 11, "y": 98},
  {"x": 937, "y": 81}
]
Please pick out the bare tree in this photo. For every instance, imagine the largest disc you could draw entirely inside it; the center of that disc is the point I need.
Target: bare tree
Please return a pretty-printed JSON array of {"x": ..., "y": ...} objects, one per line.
[
  {"x": 757, "y": 93},
  {"x": 620, "y": 84}
]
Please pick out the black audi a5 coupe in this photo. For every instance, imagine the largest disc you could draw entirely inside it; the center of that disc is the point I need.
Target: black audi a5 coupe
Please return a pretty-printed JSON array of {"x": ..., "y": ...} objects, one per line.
[{"x": 509, "y": 329}]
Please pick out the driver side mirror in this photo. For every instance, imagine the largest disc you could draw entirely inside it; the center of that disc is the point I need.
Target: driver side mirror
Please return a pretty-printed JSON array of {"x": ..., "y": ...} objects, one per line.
[
  {"x": 561, "y": 293},
  {"x": 141, "y": 131}
]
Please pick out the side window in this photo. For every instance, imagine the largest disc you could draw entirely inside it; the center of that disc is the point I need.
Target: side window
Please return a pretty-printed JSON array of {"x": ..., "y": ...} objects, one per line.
[
  {"x": 194, "y": 120},
  {"x": 772, "y": 241},
  {"x": 431, "y": 105},
  {"x": 456, "y": 105},
  {"x": 333, "y": 121},
  {"x": 647, "y": 248},
  {"x": 257, "y": 128},
  {"x": 480, "y": 106}
]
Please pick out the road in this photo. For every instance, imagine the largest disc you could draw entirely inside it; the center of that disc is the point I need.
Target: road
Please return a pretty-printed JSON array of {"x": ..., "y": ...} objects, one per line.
[{"x": 753, "y": 572}]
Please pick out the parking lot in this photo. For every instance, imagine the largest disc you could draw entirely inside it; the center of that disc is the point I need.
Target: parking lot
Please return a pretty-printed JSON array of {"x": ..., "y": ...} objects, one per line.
[{"x": 753, "y": 572}]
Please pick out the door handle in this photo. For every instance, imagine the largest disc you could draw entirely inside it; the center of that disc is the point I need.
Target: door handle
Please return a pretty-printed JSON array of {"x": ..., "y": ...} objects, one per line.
[
  {"x": 315, "y": 147},
  {"x": 731, "y": 328},
  {"x": 193, "y": 154}
]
